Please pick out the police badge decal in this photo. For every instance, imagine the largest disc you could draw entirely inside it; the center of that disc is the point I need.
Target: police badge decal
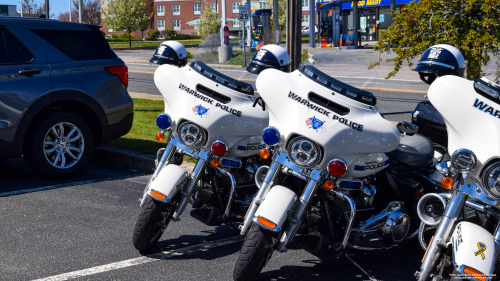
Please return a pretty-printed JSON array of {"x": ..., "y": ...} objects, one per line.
[{"x": 434, "y": 54}]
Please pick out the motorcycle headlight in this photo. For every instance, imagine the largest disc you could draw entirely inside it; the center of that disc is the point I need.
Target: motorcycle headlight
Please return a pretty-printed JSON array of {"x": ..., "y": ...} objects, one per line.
[
  {"x": 491, "y": 179},
  {"x": 463, "y": 160},
  {"x": 192, "y": 135},
  {"x": 304, "y": 152}
]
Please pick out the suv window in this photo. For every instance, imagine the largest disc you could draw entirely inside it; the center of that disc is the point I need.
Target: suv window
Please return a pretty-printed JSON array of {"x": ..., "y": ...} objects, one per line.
[
  {"x": 78, "y": 44},
  {"x": 12, "y": 51}
]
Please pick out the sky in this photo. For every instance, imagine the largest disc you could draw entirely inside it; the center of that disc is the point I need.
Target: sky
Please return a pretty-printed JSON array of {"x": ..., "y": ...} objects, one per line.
[{"x": 56, "y": 6}]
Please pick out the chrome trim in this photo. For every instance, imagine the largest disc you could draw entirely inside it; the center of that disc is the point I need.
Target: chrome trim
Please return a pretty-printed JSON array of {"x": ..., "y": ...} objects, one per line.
[
  {"x": 453, "y": 158},
  {"x": 279, "y": 136},
  {"x": 204, "y": 137},
  {"x": 318, "y": 159},
  {"x": 231, "y": 193},
  {"x": 291, "y": 172},
  {"x": 485, "y": 176},
  {"x": 275, "y": 229},
  {"x": 428, "y": 62},
  {"x": 220, "y": 141},
  {"x": 478, "y": 192},
  {"x": 348, "y": 231},
  {"x": 340, "y": 160}
]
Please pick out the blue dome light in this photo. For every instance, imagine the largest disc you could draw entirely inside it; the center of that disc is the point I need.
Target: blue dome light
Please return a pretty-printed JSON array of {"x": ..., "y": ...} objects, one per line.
[
  {"x": 271, "y": 135},
  {"x": 163, "y": 121}
]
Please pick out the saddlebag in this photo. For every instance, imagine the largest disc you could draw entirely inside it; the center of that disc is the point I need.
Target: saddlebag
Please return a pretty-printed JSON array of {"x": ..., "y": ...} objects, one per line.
[{"x": 430, "y": 123}]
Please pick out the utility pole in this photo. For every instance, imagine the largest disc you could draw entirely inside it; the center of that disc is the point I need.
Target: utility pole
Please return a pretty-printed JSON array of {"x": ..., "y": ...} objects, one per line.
[
  {"x": 293, "y": 35},
  {"x": 21, "y": 3},
  {"x": 355, "y": 25},
  {"x": 69, "y": 10},
  {"x": 80, "y": 11},
  {"x": 277, "y": 31},
  {"x": 312, "y": 25},
  {"x": 47, "y": 9}
]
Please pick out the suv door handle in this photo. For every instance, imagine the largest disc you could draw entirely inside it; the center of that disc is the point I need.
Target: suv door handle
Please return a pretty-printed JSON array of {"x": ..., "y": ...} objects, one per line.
[{"x": 28, "y": 71}]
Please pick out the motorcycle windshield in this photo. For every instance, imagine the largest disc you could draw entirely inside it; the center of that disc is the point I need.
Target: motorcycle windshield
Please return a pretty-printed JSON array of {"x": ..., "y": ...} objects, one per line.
[
  {"x": 333, "y": 103},
  {"x": 471, "y": 111}
]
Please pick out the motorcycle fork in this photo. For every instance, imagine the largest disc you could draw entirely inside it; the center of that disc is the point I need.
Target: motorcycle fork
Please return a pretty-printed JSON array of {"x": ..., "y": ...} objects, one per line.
[{"x": 443, "y": 231}]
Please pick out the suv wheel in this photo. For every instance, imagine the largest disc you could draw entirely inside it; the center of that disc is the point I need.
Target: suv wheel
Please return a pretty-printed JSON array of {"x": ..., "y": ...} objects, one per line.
[{"x": 59, "y": 145}]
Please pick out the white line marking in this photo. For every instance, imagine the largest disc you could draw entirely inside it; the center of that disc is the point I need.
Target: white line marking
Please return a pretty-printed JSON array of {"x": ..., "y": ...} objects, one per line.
[{"x": 142, "y": 260}]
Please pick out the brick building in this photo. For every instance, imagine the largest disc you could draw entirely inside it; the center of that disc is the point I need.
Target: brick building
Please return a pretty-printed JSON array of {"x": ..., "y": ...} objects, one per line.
[{"x": 175, "y": 14}]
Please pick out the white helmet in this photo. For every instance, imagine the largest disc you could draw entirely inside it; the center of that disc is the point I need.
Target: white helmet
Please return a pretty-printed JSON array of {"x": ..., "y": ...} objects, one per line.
[
  {"x": 269, "y": 56},
  {"x": 170, "y": 52}
]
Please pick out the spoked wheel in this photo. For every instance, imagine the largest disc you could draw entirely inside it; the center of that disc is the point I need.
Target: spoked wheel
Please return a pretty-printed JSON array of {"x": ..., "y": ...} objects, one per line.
[
  {"x": 152, "y": 222},
  {"x": 256, "y": 251}
]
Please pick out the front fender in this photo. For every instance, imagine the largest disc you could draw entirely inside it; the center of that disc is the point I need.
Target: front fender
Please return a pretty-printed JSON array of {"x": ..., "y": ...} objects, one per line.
[
  {"x": 275, "y": 207},
  {"x": 469, "y": 241},
  {"x": 167, "y": 183}
]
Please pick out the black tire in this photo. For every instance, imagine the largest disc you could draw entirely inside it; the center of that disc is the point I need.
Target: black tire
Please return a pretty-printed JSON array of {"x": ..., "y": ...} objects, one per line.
[
  {"x": 151, "y": 223},
  {"x": 34, "y": 145},
  {"x": 254, "y": 254}
]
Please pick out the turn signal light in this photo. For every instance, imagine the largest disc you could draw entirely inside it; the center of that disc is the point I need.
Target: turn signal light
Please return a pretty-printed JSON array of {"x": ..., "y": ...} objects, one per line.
[
  {"x": 160, "y": 137},
  {"x": 219, "y": 148},
  {"x": 264, "y": 154},
  {"x": 474, "y": 273},
  {"x": 157, "y": 194},
  {"x": 329, "y": 185},
  {"x": 337, "y": 168},
  {"x": 214, "y": 163},
  {"x": 266, "y": 222},
  {"x": 447, "y": 182}
]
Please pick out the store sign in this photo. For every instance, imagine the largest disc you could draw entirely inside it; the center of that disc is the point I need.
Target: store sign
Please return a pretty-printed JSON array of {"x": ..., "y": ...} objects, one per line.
[
  {"x": 4, "y": 10},
  {"x": 375, "y": 3},
  {"x": 381, "y": 17}
]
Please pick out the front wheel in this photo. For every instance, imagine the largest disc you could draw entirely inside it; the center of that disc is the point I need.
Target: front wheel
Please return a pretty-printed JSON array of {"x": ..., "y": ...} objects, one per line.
[
  {"x": 152, "y": 222},
  {"x": 254, "y": 254}
]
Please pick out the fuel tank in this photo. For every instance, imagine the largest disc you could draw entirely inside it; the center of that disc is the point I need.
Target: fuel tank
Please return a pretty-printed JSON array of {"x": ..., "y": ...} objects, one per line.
[
  {"x": 472, "y": 119},
  {"x": 221, "y": 105},
  {"x": 336, "y": 116}
]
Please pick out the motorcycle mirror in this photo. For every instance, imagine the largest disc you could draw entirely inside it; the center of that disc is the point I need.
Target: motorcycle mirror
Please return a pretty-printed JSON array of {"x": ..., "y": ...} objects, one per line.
[{"x": 407, "y": 128}]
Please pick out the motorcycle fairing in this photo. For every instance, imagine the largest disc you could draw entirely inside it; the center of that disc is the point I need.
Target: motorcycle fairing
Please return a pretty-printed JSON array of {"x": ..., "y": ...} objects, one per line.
[
  {"x": 189, "y": 96},
  {"x": 347, "y": 134},
  {"x": 472, "y": 120},
  {"x": 473, "y": 246}
]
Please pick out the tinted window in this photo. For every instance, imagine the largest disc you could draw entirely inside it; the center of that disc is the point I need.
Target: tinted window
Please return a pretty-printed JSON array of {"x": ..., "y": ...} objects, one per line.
[
  {"x": 78, "y": 44},
  {"x": 12, "y": 51}
]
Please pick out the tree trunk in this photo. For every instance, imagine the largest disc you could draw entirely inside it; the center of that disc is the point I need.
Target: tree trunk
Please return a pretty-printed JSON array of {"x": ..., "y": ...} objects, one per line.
[{"x": 129, "y": 40}]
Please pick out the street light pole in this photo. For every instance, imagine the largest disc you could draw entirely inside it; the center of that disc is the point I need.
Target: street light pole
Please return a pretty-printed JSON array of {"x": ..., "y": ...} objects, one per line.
[
  {"x": 47, "y": 9},
  {"x": 69, "y": 10},
  {"x": 80, "y": 11},
  {"x": 21, "y": 3}
]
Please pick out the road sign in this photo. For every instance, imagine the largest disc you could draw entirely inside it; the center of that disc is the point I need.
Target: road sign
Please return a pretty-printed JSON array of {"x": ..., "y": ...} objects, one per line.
[{"x": 244, "y": 13}]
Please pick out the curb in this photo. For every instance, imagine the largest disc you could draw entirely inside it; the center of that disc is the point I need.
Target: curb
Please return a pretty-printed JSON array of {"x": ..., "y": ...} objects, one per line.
[
  {"x": 224, "y": 66},
  {"x": 149, "y": 48},
  {"x": 130, "y": 159}
]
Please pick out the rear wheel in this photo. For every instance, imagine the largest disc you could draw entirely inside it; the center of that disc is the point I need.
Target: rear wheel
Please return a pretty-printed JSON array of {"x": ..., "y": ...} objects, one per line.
[
  {"x": 254, "y": 254},
  {"x": 152, "y": 222}
]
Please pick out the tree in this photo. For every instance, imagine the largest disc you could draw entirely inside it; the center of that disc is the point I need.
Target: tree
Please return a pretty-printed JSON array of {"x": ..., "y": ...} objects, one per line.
[
  {"x": 126, "y": 15},
  {"x": 472, "y": 26},
  {"x": 32, "y": 9},
  {"x": 91, "y": 12},
  {"x": 208, "y": 23},
  {"x": 281, "y": 13}
]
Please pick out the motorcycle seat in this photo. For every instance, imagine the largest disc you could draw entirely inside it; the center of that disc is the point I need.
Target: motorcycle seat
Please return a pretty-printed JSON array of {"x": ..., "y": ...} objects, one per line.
[{"x": 416, "y": 150}]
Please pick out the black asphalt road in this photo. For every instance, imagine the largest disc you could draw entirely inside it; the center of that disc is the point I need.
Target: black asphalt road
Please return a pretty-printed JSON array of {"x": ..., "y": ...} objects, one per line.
[{"x": 87, "y": 226}]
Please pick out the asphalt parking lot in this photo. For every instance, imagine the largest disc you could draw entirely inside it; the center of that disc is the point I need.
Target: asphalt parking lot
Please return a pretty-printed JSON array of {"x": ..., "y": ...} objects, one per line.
[{"x": 82, "y": 228}]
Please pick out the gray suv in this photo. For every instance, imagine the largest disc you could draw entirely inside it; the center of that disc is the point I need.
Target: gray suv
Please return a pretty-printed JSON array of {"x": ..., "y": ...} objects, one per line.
[{"x": 62, "y": 91}]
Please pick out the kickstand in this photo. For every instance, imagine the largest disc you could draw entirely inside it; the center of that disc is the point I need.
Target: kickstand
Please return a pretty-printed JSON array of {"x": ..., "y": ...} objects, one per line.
[{"x": 360, "y": 268}]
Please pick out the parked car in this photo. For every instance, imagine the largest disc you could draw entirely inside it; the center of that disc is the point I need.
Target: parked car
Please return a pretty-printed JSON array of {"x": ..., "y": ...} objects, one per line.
[
  {"x": 305, "y": 30},
  {"x": 62, "y": 91}
]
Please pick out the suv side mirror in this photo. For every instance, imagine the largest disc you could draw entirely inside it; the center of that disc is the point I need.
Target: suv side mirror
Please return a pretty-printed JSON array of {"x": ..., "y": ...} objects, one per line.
[{"x": 407, "y": 128}]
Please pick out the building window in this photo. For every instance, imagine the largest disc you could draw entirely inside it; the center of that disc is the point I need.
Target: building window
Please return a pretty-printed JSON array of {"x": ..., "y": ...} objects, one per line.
[
  {"x": 236, "y": 22},
  {"x": 176, "y": 10},
  {"x": 177, "y": 24},
  {"x": 111, "y": 30},
  {"x": 161, "y": 25},
  {"x": 214, "y": 7},
  {"x": 236, "y": 7},
  {"x": 160, "y": 10},
  {"x": 305, "y": 5},
  {"x": 197, "y": 9},
  {"x": 262, "y": 5},
  {"x": 305, "y": 20}
]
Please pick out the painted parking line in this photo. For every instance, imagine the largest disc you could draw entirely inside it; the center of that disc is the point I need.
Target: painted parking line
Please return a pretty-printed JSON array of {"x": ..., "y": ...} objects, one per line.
[{"x": 142, "y": 260}]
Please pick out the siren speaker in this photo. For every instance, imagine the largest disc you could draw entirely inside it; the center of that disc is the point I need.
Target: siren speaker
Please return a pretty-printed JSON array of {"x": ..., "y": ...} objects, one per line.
[
  {"x": 431, "y": 208},
  {"x": 260, "y": 175}
]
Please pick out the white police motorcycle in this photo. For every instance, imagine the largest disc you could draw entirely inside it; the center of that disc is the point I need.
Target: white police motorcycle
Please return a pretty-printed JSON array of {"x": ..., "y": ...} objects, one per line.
[
  {"x": 213, "y": 119},
  {"x": 462, "y": 248},
  {"x": 342, "y": 176}
]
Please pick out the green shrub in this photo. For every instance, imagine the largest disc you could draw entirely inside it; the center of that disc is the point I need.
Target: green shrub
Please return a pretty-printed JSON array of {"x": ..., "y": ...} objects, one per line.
[
  {"x": 114, "y": 35},
  {"x": 122, "y": 39},
  {"x": 169, "y": 34},
  {"x": 152, "y": 34},
  {"x": 125, "y": 35}
]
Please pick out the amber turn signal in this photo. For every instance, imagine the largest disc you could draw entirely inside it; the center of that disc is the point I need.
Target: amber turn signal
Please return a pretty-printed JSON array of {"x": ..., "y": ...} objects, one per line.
[
  {"x": 157, "y": 194},
  {"x": 266, "y": 222},
  {"x": 328, "y": 185},
  {"x": 160, "y": 137},
  {"x": 214, "y": 163},
  {"x": 447, "y": 182},
  {"x": 474, "y": 273},
  {"x": 264, "y": 154}
]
